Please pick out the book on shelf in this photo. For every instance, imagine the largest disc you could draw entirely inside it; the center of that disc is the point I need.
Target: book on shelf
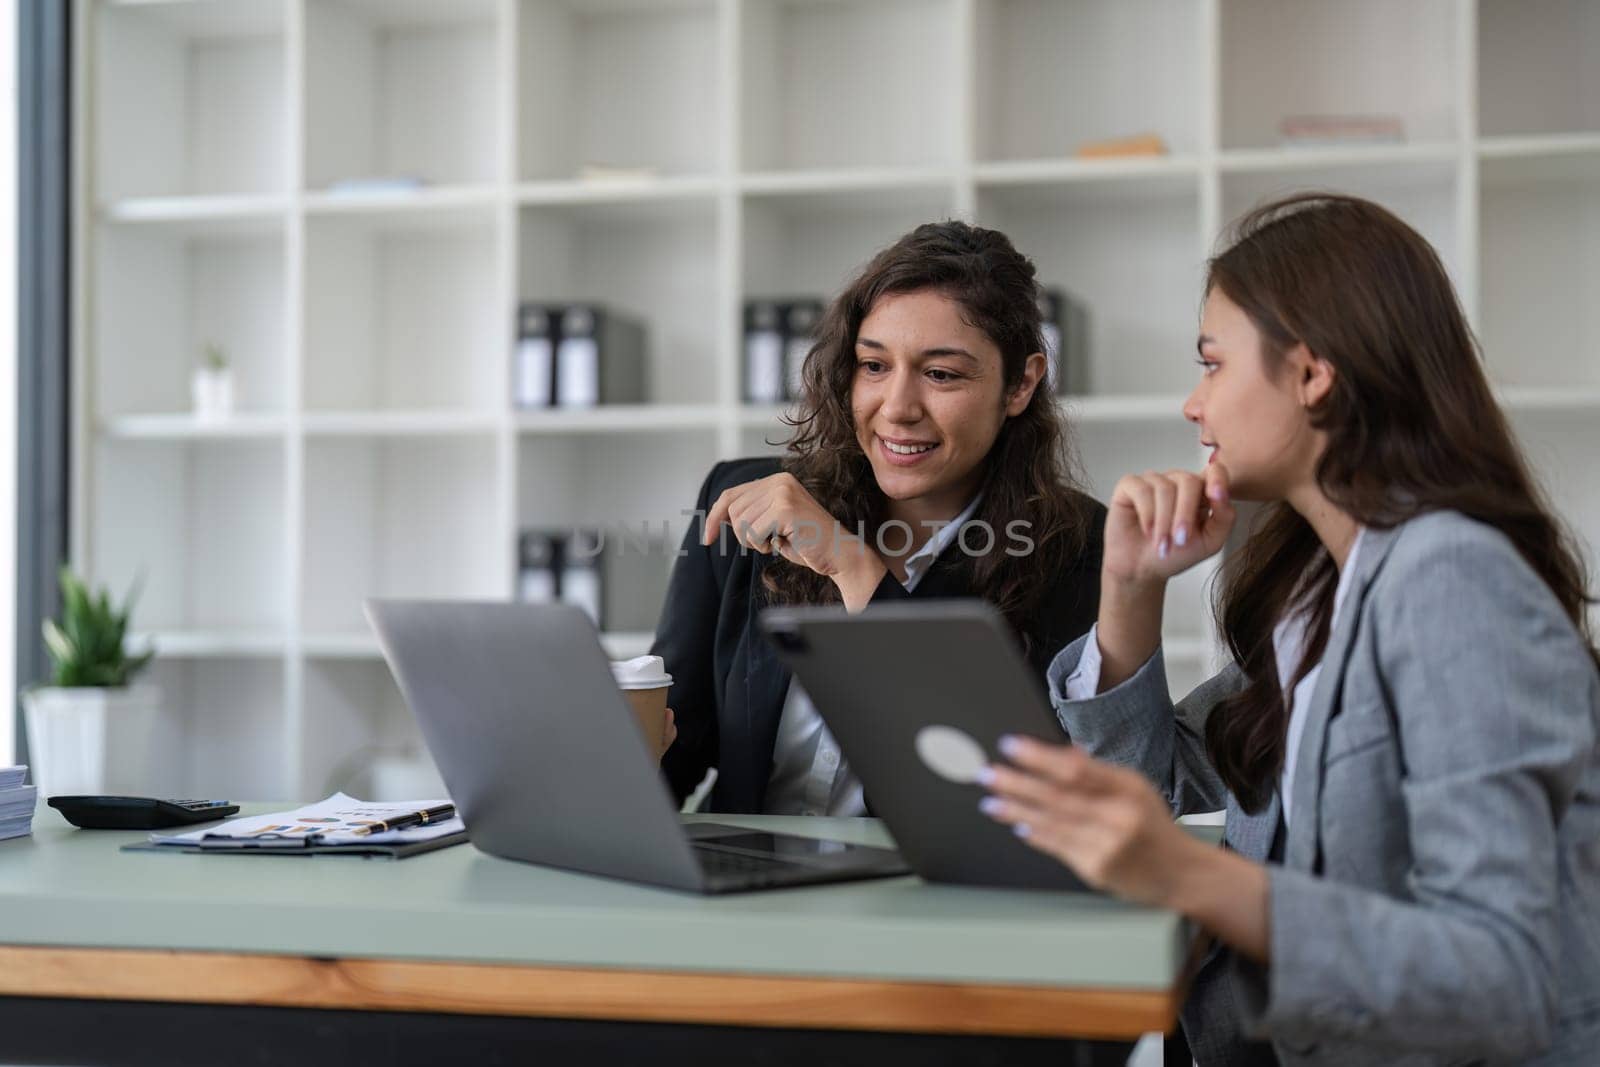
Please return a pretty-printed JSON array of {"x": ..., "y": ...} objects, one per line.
[
  {"x": 800, "y": 321},
  {"x": 778, "y": 335},
  {"x": 533, "y": 373},
  {"x": 1139, "y": 144},
  {"x": 763, "y": 352},
  {"x": 577, "y": 356},
  {"x": 1065, "y": 324},
  {"x": 617, "y": 576}
]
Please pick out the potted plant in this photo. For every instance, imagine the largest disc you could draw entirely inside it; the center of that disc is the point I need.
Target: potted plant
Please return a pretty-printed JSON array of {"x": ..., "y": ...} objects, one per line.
[
  {"x": 212, "y": 386},
  {"x": 90, "y": 730}
]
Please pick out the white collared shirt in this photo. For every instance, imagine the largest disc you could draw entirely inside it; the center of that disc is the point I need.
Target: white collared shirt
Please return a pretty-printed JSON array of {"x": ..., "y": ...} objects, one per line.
[
  {"x": 809, "y": 776},
  {"x": 1288, "y": 644}
]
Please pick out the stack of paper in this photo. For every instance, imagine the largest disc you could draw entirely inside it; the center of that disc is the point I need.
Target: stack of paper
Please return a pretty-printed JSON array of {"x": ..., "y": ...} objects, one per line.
[{"x": 16, "y": 803}]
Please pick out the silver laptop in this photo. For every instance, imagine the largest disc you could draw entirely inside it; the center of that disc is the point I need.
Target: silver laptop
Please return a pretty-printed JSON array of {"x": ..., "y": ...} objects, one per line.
[
  {"x": 918, "y": 696},
  {"x": 546, "y": 763}
]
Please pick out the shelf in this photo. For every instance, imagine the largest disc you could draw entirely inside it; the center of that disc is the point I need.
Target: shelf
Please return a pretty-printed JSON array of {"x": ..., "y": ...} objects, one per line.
[
  {"x": 655, "y": 263},
  {"x": 164, "y": 292},
  {"x": 1558, "y": 144},
  {"x": 399, "y": 517},
  {"x": 1129, "y": 254},
  {"x": 209, "y": 644},
  {"x": 862, "y": 179},
  {"x": 185, "y": 427},
  {"x": 1422, "y": 191},
  {"x": 621, "y": 190},
  {"x": 761, "y": 416},
  {"x": 443, "y": 203},
  {"x": 621, "y": 85},
  {"x": 400, "y": 423},
  {"x": 812, "y": 243},
  {"x": 635, "y": 489},
  {"x": 1039, "y": 171},
  {"x": 221, "y": 731},
  {"x": 620, "y": 418},
  {"x": 404, "y": 311},
  {"x": 832, "y": 84},
  {"x": 1282, "y": 58},
  {"x": 352, "y": 196},
  {"x": 200, "y": 525},
  {"x": 1334, "y": 158},
  {"x": 402, "y": 90},
  {"x": 1536, "y": 71},
  {"x": 1539, "y": 224},
  {"x": 200, "y": 210},
  {"x": 1051, "y": 76},
  {"x": 191, "y": 100}
]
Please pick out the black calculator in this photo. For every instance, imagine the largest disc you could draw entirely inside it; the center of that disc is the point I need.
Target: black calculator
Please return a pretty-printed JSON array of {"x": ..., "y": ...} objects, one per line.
[{"x": 139, "y": 813}]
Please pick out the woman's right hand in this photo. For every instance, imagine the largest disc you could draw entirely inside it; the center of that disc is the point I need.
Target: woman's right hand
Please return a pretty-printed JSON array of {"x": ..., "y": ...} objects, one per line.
[{"x": 1161, "y": 524}]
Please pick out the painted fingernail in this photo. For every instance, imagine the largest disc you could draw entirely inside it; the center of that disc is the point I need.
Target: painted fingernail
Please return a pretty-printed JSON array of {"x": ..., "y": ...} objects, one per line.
[
  {"x": 1217, "y": 493},
  {"x": 1180, "y": 536},
  {"x": 989, "y": 805},
  {"x": 1021, "y": 829},
  {"x": 986, "y": 776},
  {"x": 1010, "y": 745},
  {"x": 1161, "y": 549}
]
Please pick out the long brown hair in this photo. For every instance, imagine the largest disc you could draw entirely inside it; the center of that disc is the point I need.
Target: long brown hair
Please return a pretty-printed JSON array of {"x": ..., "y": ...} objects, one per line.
[
  {"x": 1411, "y": 423},
  {"x": 1027, "y": 475}
]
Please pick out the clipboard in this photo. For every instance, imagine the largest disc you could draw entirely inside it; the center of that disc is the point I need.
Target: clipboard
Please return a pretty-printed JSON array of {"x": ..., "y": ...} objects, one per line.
[{"x": 301, "y": 846}]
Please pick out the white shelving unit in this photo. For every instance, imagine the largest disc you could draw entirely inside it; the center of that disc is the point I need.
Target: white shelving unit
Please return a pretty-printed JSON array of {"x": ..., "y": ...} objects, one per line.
[{"x": 754, "y": 148}]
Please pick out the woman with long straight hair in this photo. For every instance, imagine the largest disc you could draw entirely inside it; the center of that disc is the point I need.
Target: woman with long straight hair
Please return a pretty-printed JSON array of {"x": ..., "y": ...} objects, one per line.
[
  {"x": 928, "y": 460},
  {"x": 1407, "y": 740}
]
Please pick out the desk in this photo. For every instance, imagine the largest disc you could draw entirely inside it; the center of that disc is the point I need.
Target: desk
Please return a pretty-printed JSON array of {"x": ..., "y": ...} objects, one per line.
[{"x": 461, "y": 934}]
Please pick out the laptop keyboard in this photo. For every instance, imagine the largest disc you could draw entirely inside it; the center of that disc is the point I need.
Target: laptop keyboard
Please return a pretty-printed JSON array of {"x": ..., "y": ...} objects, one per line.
[{"x": 747, "y": 868}]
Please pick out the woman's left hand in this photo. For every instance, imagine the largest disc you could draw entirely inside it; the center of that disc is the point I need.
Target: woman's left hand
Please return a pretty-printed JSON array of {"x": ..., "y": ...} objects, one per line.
[{"x": 1107, "y": 823}]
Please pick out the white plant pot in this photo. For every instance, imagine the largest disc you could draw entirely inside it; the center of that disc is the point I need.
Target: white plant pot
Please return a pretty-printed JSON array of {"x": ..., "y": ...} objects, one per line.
[
  {"x": 212, "y": 394},
  {"x": 94, "y": 741}
]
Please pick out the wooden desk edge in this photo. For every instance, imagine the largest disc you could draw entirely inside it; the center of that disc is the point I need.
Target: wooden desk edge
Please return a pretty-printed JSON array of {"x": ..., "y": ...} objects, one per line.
[{"x": 578, "y": 993}]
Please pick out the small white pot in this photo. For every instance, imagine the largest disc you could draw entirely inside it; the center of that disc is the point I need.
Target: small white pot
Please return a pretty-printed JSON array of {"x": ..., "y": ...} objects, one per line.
[
  {"x": 212, "y": 393},
  {"x": 92, "y": 741}
]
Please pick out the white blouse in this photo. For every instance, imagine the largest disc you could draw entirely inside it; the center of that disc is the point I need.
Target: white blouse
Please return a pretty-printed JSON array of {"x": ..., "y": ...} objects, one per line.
[{"x": 1288, "y": 644}]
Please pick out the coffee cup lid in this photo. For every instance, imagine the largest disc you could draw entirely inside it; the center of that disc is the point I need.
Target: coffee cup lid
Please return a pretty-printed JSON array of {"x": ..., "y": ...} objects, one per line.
[{"x": 641, "y": 672}]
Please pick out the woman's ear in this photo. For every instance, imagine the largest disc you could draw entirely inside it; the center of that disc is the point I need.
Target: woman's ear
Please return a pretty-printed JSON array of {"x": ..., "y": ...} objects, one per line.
[
  {"x": 1033, "y": 372},
  {"x": 1316, "y": 376}
]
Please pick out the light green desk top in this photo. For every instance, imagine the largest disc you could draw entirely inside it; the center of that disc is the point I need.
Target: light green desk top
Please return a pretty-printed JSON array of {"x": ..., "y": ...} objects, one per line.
[{"x": 74, "y": 888}]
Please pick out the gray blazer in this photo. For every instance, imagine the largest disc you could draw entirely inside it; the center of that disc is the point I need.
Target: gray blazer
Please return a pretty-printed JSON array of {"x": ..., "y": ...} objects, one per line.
[{"x": 1439, "y": 896}]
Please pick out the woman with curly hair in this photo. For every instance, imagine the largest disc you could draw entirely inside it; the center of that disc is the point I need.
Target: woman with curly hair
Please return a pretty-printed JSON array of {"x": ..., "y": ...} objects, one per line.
[{"x": 927, "y": 461}]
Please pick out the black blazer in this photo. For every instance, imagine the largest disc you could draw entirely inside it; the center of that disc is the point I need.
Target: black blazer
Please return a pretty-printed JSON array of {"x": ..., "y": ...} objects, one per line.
[{"x": 728, "y": 687}]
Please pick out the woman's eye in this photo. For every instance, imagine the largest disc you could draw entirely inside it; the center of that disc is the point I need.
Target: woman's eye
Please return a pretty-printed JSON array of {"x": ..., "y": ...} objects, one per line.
[
  {"x": 871, "y": 366},
  {"x": 941, "y": 376},
  {"x": 1207, "y": 366}
]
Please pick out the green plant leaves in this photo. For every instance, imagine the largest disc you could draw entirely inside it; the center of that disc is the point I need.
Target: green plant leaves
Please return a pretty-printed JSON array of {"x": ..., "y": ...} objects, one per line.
[{"x": 87, "y": 644}]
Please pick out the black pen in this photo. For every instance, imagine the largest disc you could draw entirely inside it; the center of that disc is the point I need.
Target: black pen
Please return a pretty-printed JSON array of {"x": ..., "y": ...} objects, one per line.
[{"x": 413, "y": 818}]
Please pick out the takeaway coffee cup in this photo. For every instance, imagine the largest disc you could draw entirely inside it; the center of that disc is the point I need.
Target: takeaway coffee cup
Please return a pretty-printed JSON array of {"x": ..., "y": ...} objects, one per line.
[{"x": 644, "y": 681}]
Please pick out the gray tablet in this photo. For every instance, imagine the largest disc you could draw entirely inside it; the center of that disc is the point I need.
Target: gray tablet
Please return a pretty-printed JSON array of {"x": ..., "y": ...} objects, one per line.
[{"x": 918, "y": 696}]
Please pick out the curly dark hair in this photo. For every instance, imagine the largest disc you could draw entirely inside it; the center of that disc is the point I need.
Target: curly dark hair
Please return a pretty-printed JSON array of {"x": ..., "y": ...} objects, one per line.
[{"x": 1029, "y": 474}]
